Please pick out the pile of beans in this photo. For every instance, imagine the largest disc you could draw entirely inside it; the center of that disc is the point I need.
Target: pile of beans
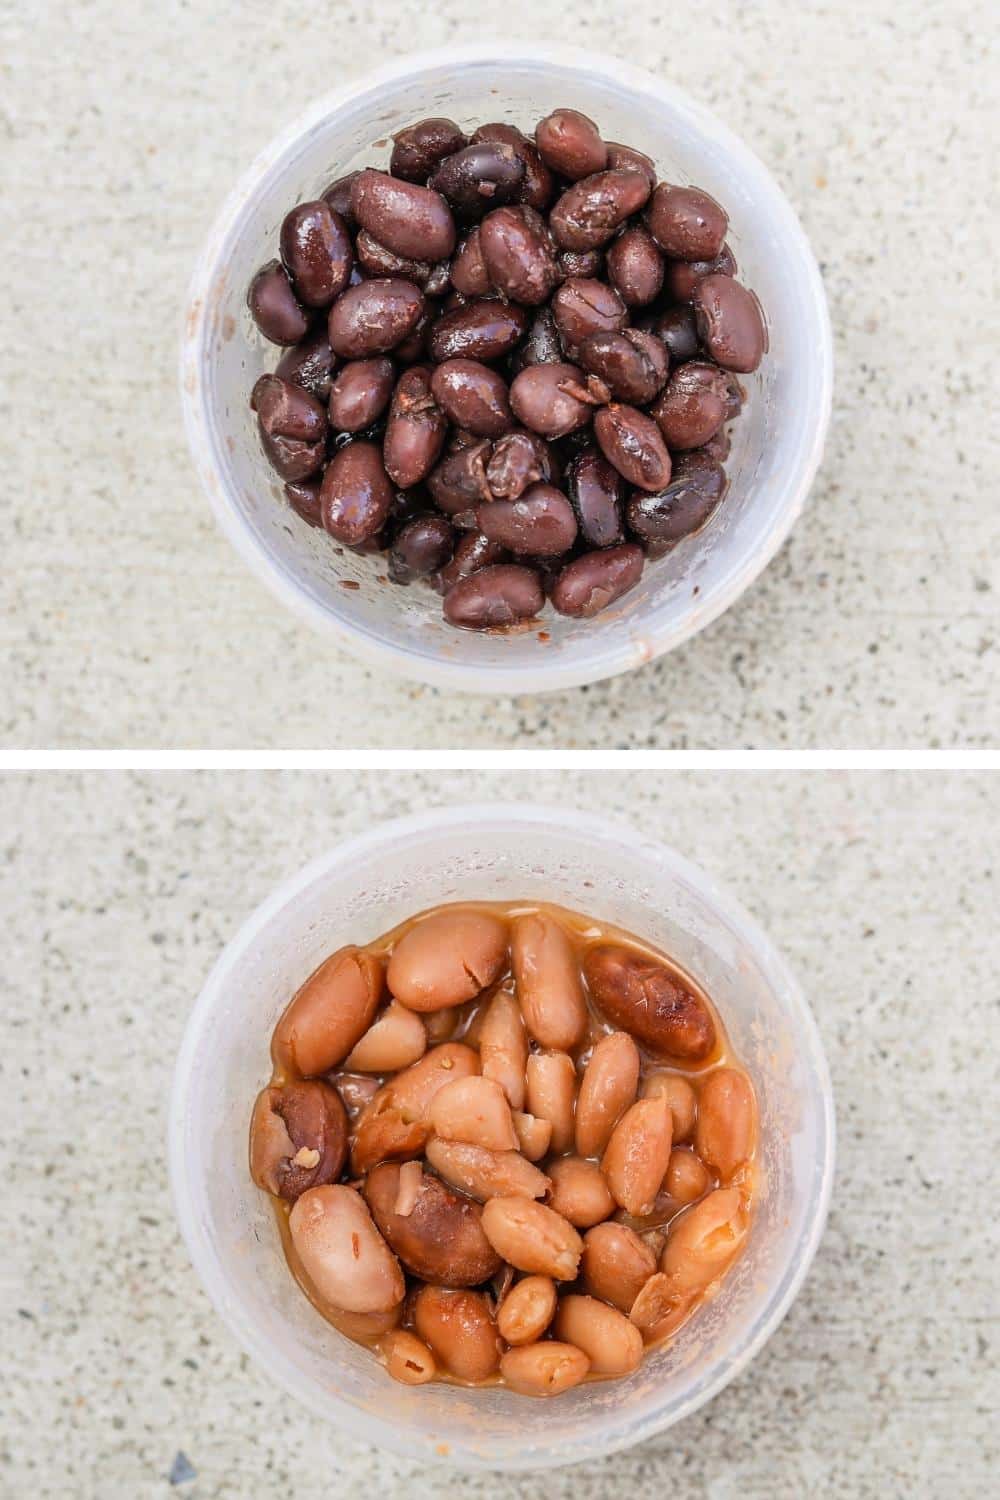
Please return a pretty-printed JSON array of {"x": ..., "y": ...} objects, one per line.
[
  {"x": 505, "y": 1144},
  {"x": 510, "y": 364}
]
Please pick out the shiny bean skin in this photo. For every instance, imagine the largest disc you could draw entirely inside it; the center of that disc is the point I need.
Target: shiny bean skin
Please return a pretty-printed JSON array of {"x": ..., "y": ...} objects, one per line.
[
  {"x": 356, "y": 1092},
  {"x": 632, "y": 365},
  {"x": 298, "y": 1138},
  {"x": 342, "y": 1253},
  {"x": 607, "y": 1089},
  {"x": 274, "y": 306},
  {"x": 329, "y": 1014},
  {"x": 683, "y": 276},
  {"x": 677, "y": 331},
  {"x": 570, "y": 144},
  {"x": 540, "y": 523},
  {"x": 527, "y": 1310},
  {"x": 360, "y": 393},
  {"x": 591, "y": 582},
  {"x": 579, "y": 1192},
  {"x": 682, "y": 507},
  {"x": 374, "y": 317},
  {"x": 724, "y": 1137},
  {"x": 416, "y": 429},
  {"x": 292, "y": 426},
  {"x": 317, "y": 252},
  {"x": 395, "y": 1123},
  {"x": 657, "y": 1307},
  {"x": 415, "y": 1088},
  {"x": 310, "y": 364},
  {"x": 458, "y": 1327},
  {"x": 303, "y": 497},
  {"x": 411, "y": 220},
  {"x": 679, "y": 1095},
  {"x": 537, "y": 186},
  {"x": 532, "y": 1237},
  {"x": 396, "y": 1040},
  {"x": 615, "y": 1264},
  {"x": 473, "y": 396},
  {"x": 479, "y": 177},
  {"x": 376, "y": 260},
  {"x": 473, "y": 552},
  {"x": 589, "y": 212},
  {"x": 548, "y": 983},
  {"x": 647, "y": 999},
  {"x": 635, "y": 267},
  {"x": 458, "y": 482},
  {"x": 693, "y": 407},
  {"x": 636, "y": 1157},
  {"x": 632, "y": 442},
  {"x": 476, "y": 1111},
  {"x": 494, "y": 598},
  {"x": 703, "y": 1240},
  {"x": 483, "y": 329},
  {"x": 541, "y": 398},
  {"x": 423, "y": 546},
  {"x": 440, "y": 1238},
  {"x": 486, "y": 1174},
  {"x": 585, "y": 264},
  {"x": 542, "y": 345},
  {"x": 611, "y": 1343},
  {"x": 686, "y": 223},
  {"x": 551, "y": 1095},
  {"x": 417, "y": 150},
  {"x": 407, "y": 1358},
  {"x": 337, "y": 196},
  {"x": 447, "y": 958},
  {"x": 629, "y": 157},
  {"x": 518, "y": 459},
  {"x": 687, "y": 1176},
  {"x": 519, "y": 254},
  {"x": 583, "y": 306},
  {"x": 544, "y": 1369},
  {"x": 503, "y": 1047},
  {"x": 730, "y": 323},
  {"x": 534, "y": 1136},
  {"x": 596, "y": 491},
  {"x": 356, "y": 494},
  {"x": 468, "y": 268}
]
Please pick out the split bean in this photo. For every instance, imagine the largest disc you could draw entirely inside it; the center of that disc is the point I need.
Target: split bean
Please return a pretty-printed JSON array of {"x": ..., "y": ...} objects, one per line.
[
  {"x": 551, "y": 1094},
  {"x": 486, "y": 1174},
  {"x": 448, "y": 958},
  {"x": 649, "y": 1000}
]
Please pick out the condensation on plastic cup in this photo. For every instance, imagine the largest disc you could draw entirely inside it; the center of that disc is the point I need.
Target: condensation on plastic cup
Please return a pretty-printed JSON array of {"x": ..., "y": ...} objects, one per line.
[
  {"x": 367, "y": 885},
  {"x": 777, "y": 443}
]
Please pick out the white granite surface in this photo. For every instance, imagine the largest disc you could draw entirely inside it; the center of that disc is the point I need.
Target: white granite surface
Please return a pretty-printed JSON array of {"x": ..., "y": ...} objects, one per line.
[
  {"x": 118, "y": 892},
  {"x": 127, "y": 619}
]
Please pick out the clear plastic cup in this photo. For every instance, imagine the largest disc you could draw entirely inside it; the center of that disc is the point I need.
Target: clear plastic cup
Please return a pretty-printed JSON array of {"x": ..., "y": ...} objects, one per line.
[
  {"x": 777, "y": 443},
  {"x": 360, "y": 889}
]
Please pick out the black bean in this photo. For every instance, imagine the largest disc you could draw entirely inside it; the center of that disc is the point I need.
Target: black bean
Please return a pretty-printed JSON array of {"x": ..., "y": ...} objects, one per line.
[
  {"x": 682, "y": 507},
  {"x": 542, "y": 346},
  {"x": 458, "y": 483},
  {"x": 423, "y": 546},
  {"x": 591, "y": 582},
  {"x": 631, "y": 441},
  {"x": 416, "y": 430},
  {"x": 417, "y": 150},
  {"x": 693, "y": 407},
  {"x": 570, "y": 143},
  {"x": 413, "y": 221},
  {"x": 473, "y": 551},
  {"x": 338, "y": 197},
  {"x": 583, "y": 306},
  {"x": 519, "y": 459},
  {"x": 473, "y": 396},
  {"x": 303, "y": 497},
  {"x": 585, "y": 263},
  {"x": 540, "y": 523},
  {"x": 494, "y": 597},
  {"x": 374, "y": 317},
  {"x": 635, "y": 266},
  {"x": 537, "y": 184},
  {"x": 686, "y": 223},
  {"x": 589, "y": 212},
  {"x": 632, "y": 365},
  {"x": 317, "y": 252},
  {"x": 597, "y": 492},
  {"x": 730, "y": 323},
  {"x": 468, "y": 268},
  {"x": 356, "y": 495},
  {"x": 360, "y": 393},
  {"x": 683, "y": 276},
  {"x": 542, "y": 398},
  {"x": 676, "y": 329},
  {"x": 519, "y": 254},
  {"x": 378, "y": 260},
  {"x": 274, "y": 306},
  {"x": 310, "y": 364},
  {"x": 479, "y": 178},
  {"x": 483, "y": 329},
  {"x": 628, "y": 156}
]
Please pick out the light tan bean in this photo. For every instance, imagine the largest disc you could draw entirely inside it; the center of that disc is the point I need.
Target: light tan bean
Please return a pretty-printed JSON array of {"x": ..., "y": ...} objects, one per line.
[
  {"x": 342, "y": 1253},
  {"x": 679, "y": 1095},
  {"x": 503, "y": 1046},
  {"x": 486, "y": 1174},
  {"x": 615, "y": 1265},
  {"x": 396, "y": 1040},
  {"x": 395, "y": 1124},
  {"x": 527, "y": 1310},
  {"x": 332, "y": 1011},
  {"x": 446, "y": 959},
  {"x": 654, "y": 1239},
  {"x": 551, "y": 1095},
  {"x": 611, "y": 1343},
  {"x": 407, "y": 1358},
  {"x": 658, "y": 1301},
  {"x": 703, "y": 1240},
  {"x": 414, "y": 1088},
  {"x": 474, "y": 1110},
  {"x": 725, "y": 1121},
  {"x": 635, "y": 1162},
  {"x": 687, "y": 1176},
  {"x": 545, "y": 1369},
  {"x": 440, "y": 1024},
  {"x": 532, "y": 1238},
  {"x": 363, "y": 1327},
  {"x": 607, "y": 1088},
  {"x": 459, "y": 1329},
  {"x": 579, "y": 1192},
  {"x": 548, "y": 981},
  {"x": 533, "y": 1135}
]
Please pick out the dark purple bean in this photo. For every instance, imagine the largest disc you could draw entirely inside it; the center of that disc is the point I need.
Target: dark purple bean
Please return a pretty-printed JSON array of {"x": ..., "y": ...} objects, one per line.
[
  {"x": 413, "y": 221},
  {"x": 591, "y": 582},
  {"x": 682, "y": 507},
  {"x": 293, "y": 458},
  {"x": 519, "y": 254},
  {"x": 274, "y": 306},
  {"x": 686, "y": 223},
  {"x": 414, "y": 346},
  {"x": 317, "y": 252},
  {"x": 473, "y": 396},
  {"x": 473, "y": 551},
  {"x": 303, "y": 497},
  {"x": 310, "y": 364},
  {"x": 374, "y": 317},
  {"x": 356, "y": 496},
  {"x": 583, "y": 306},
  {"x": 542, "y": 345},
  {"x": 438, "y": 283},
  {"x": 422, "y": 546},
  {"x": 628, "y": 156},
  {"x": 360, "y": 393},
  {"x": 597, "y": 493},
  {"x": 458, "y": 483},
  {"x": 494, "y": 597},
  {"x": 631, "y": 441},
  {"x": 468, "y": 268},
  {"x": 540, "y": 523},
  {"x": 338, "y": 197},
  {"x": 292, "y": 426},
  {"x": 730, "y": 323},
  {"x": 684, "y": 275},
  {"x": 591, "y": 210},
  {"x": 716, "y": 450},
  {"x": 519, "y": 459},
  {"x": 416, "y": 431},
  {"x": 585, "y": 263},
  {"x": 631, "y": 365},
  {"x": 483, "y": 329},
  {"x": 537, "y": 184},
  {"x": 693, "y": 407},
  {"x": 676, "y": 329},
  {"x": 542, "y": 399},
  {"x": 479, "y": 178},
  {"x": 635, "y": 266},
  {"x": 377, "y": 260},
  {"x": 570, "y": 144},
  {"x": 417, "y": 150},
  {"x": 735, "y": 396}
]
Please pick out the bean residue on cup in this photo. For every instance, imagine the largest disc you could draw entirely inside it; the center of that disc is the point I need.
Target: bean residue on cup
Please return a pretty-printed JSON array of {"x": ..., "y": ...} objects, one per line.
[
  {"x": 506, "y": 1143},
  {"x": 528, "y": 336}
]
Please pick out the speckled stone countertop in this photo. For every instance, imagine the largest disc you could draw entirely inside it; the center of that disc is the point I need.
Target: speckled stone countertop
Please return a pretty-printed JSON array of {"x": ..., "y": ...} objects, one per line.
[
  {"x": 115, "y": 1373},
  {"x": 128, "y": 620}
]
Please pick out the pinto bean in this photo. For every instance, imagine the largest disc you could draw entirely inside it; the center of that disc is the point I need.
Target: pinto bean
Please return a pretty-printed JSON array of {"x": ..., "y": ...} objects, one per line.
[
  {"x": 724, "y": 1138},
  {"x": 636, "y": 1157},
  {"x": 458, "y": 1327},
  {"x": 527, "y": 1310},
  {"x": 494, "y": 597},
  {"x": 503, "y": 1047},
  {"x": 408, "y": 1358},
  {"x": 374, "y": 316},
  {"x": 484, "y": 329},
  {"x": 693, "y": 407},
  {"x": 342, "y": 1253},
  {"x": 418, "y": 149},
  {"x": 473, "y": 396},
  {"x": 687, "y": 1176},
  {"x": 649, "y": 1000},
  {"x": 542, "y": 397},
  {"x": 356, "y": 494},
  {"x": 659, "y": 1308},
  {"x": 441, "y": 1238},
  {"x": 583, "y": 306},
  {"x": 631, "y": 441},
  {"x": 329, "y": 1014},
  {"x": 533, "y": 1136},
  {"x": 589, "y": 212},
  {"x": 468, "y": 267},
  {"x": 730, "y": 323},
  {"x": 679, "y": 1095},
  {"x": 607, "y": 1089},
  {"x": 486, "y": 1174},
  {"x": 446, "y": 959},
  {"x": 632, "y": 365},
  {"x": 686, "y": 223},
  {"x": 551, "y": 1094},
  {"x": 479, "y": 177},
  {"x": 474, "y": 1110},
  {"x": 532, "y": 1237},
  {"x": 548, "y": 981},
  {"x": 611, "y": 1343},
  {"x": 356, "y": 1092},
  {"x": 360, "y": 393},
  {"x": 540, "y": 523},
  {"x": 635, "y": 267},
  {"x": 590, "y": 583},
  {"x": 395, "y": 1124},
  {"x": 519, "y": 254},
  {"x": 317, "y": 252},
  {"x": 519, "y": 459},
  {"x": 274, "y": 306},
  {"x": 579, "y": 1192},
  {"x": 544, "y": 1369},
  {"x": 703, "y": 1240},
  {"x": 411, "y": 220},
  {"x": 615, "y": 1265},
  {"x": 298, "y": 1138},
  {"x": 396, "y": 1040}
]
